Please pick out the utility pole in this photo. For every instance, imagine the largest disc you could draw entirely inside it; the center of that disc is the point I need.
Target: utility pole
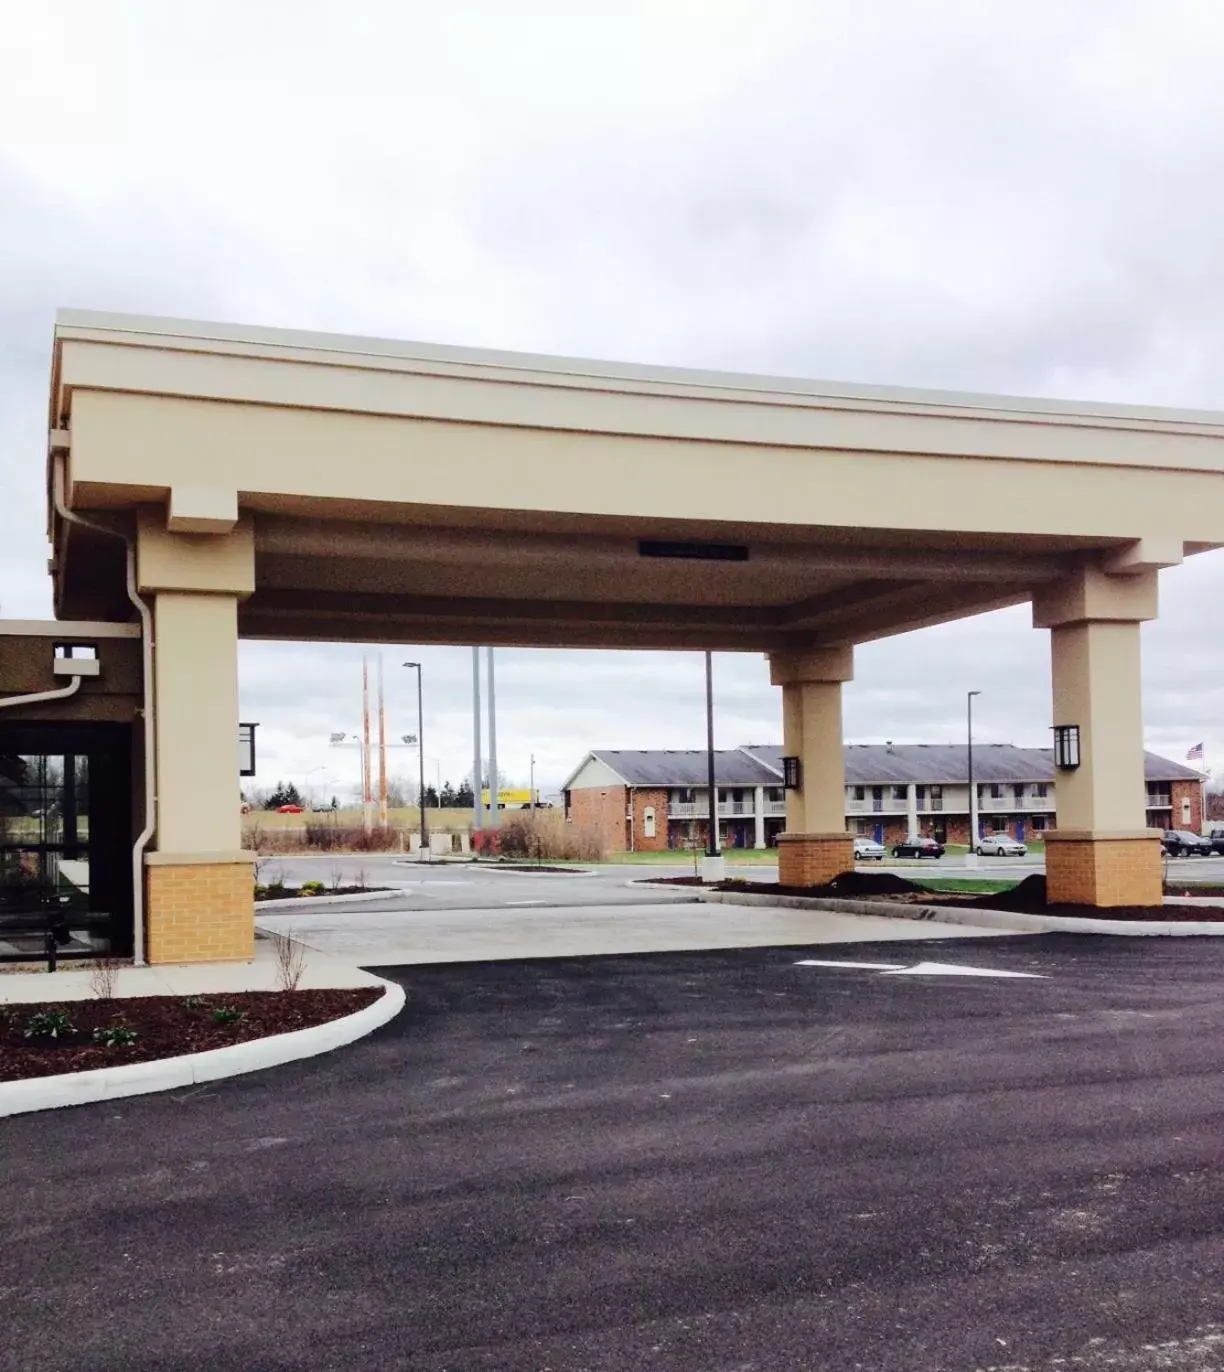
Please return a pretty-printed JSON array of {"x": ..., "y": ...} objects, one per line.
[
  {"x": 382, "y": 750},
  {"x": 494, "y": 811},
  {"x": 421, "y": 754},
  {"x": 971, "y": 855},
  {"x": 367, "y": 798},
  {"x": 477, "y": 761},
  {"x": 531, "y": 783}
]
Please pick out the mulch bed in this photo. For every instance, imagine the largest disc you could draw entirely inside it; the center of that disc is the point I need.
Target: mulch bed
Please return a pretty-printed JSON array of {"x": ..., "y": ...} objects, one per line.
[
  {"x": 527, "y": 867},
  {"x": 1028, "y": 897},
  {"x": 166, "y": 1026}
]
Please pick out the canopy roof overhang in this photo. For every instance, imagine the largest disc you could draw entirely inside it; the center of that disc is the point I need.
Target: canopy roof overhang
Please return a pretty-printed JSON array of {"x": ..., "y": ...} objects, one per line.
[{"x": 402, "y": 492}]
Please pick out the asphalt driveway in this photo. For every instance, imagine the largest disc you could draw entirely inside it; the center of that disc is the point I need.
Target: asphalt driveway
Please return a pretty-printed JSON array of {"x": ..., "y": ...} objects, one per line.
[{"x": 716, "y": 1160}]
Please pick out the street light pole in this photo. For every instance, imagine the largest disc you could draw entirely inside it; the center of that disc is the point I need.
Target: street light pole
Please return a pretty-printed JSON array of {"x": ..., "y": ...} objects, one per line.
[
  {"x": 971, "y": 855},
  {"x": 421, "y": 756},
  {"x": 712, "y": 847}
]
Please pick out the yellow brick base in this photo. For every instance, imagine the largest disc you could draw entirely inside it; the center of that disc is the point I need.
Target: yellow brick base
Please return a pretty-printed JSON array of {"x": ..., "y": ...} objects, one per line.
[
  {"x": 1083, "y": 868},
  {"x": 813, "y": 859},
  {"x": 200, "y": 912}
]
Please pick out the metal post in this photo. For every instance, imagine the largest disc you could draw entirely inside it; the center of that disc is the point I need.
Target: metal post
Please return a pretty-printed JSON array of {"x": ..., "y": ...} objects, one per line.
[
  {"x": 531, "y": 785},
  {"x": 421, "y": 755},
  {"x": 477, "y": 802},
  {"x": 712, "y": 845},
  {"x": 971, "y": 856},
  {"x": 367, "y": 785},
  {"x": 382, "y": 751},
  {"x": 494, "y": 812}
]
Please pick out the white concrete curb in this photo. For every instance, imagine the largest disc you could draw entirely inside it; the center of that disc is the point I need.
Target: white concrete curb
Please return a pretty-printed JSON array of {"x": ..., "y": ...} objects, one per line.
[
  {"x": 973, "y": 918},
  {"x": 301, "y": 902},
  {"x": 522, "y": 872},
  {"x": 166, "y": 1074}
]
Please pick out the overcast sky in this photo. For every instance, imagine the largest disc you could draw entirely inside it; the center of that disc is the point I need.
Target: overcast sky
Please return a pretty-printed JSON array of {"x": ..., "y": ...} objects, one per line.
[{"x": 1007, "y": 195}]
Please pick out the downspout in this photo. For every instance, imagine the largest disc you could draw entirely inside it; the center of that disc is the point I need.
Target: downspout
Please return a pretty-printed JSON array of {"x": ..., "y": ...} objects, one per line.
[
  {"x": 146, "y": 642},
  {"x": 39, "y": 696}
]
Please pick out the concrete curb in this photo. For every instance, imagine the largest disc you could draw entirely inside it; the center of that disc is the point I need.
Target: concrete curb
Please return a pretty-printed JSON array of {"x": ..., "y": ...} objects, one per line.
[
  {"x": 520, "y": 872},
  {"x": 167, "y": 1074},
  {"x": 302, "y": 902},
  {"x": 973, "y": 919}
]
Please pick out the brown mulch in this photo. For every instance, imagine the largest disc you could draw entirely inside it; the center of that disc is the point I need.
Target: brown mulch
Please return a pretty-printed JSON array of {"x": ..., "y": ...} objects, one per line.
[
  {"x": 166, "y": 1025},
  {"x": 266, "y": 893},
  {"x": 1028, "y": 897}
]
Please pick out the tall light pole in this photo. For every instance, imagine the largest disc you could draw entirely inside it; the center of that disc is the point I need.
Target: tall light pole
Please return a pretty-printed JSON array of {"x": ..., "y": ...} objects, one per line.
[
  {"x": 971, "y": 855},
  {"x": 421, "y": 756},
  {"x": 712, "y": 847}
]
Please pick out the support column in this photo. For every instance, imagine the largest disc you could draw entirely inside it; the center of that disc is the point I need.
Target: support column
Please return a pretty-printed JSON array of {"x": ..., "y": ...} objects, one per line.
[
  {"x": 758, "y": 814},
  {"x": 816, "y": 846},
  {"x": 1102, "y": 852},
  {"x": 199, "y": 903},
  {"x": 911, "y": 811}
]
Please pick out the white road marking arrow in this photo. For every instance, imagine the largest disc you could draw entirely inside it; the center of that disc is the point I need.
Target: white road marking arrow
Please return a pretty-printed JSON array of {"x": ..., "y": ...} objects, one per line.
[{"x": 922, "y": 969}]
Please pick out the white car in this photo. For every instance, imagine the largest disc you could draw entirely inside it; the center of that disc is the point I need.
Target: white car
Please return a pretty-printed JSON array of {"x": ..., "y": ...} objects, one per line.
[
  {"x": 865, "y": 849},
  {"x": 1000, "y": 845}
]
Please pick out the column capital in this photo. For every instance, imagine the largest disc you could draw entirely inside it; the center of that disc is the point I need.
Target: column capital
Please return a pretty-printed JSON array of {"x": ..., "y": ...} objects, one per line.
[
  {"x": 210, "y": 563},
  {"x": 792, "y": 666},
  {"x": 1091, "y": 594}
]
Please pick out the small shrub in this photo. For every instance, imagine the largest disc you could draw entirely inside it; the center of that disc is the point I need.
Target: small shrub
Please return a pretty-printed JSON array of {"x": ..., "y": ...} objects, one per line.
[
  {"x": 290, "y": 960},
  {"x": 115, "y": 1035},
  {"x": 276, "y": 888},
  {"x": 49, "y": 1024},
  {"x": 227, "y": 1014},
  {"x": 541, "y": 835},
  {"x": 194, "y": 1002},
  {"x": 312, "y": 888},
  {"x": 104, "y": 977}
]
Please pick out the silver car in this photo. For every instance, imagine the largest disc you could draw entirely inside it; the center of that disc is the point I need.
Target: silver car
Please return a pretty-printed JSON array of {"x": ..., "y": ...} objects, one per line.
[
  {"x": 1000, "y": 845},
  {"x": 866, "y": 850}
]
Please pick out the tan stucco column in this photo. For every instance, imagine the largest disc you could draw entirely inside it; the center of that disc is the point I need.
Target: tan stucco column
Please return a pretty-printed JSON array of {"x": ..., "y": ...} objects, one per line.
[
  {"x": 199, "y": 901},
  {"x": 1102, "y": 852},
  {"x": 816, "y": 846}
]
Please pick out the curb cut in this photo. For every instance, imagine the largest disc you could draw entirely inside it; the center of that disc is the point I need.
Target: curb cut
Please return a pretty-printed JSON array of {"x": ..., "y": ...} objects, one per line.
[
  {"x": 189, "y": 1069},
  {"x": 977, "y": 918}
]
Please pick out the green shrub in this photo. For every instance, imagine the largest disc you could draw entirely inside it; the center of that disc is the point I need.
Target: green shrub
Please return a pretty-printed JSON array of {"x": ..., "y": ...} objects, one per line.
[
  {"x": 49, "y": 1024},
  {"x": 311, "y": 888},
  {"x": 115, "y": 1035},
  {"x": 227, "y": 1014}
]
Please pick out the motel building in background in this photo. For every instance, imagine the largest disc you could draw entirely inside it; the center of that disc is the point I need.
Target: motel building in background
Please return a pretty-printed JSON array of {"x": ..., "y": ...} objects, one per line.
[{"x": 657, "y": 800}]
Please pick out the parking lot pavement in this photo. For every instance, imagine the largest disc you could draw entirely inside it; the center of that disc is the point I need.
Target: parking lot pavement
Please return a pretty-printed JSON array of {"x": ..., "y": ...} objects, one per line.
[
  {"x": 540, "y": 928},
  {"x": 708, "y": 1161}
]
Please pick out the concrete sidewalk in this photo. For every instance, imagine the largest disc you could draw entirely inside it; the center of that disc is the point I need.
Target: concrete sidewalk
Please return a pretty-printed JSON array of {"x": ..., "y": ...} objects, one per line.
[{"x": 322, "y": 971}]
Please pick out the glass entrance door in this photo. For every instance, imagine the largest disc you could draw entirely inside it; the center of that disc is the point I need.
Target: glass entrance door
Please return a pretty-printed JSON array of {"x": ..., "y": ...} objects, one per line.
[{"x": 65, "y": 839}]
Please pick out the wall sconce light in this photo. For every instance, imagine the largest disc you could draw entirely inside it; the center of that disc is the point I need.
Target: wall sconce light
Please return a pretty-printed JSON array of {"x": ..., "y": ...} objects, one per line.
[
  {"x": 792, "y": 774},
  {"x": 1066, "y": 746}
]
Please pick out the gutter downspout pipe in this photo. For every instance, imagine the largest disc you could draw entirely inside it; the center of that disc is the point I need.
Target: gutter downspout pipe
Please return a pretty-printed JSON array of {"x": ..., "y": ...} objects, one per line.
[
  {"x": 37, "y": 698},
  {"x": 147, "y": 646}
]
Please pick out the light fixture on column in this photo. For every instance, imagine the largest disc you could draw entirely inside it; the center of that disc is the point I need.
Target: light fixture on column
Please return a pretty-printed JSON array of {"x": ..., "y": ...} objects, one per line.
[
  {"x": 1066, "y": 746},
  {"x": 792, "y": 774}
]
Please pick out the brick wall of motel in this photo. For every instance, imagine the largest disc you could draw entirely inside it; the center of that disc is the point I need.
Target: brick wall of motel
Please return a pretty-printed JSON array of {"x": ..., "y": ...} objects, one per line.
[{"x": 601, "y": 810}]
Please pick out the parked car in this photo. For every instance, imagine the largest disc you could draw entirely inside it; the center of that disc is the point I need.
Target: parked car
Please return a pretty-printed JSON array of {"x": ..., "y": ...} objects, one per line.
[
  {"x": 288, "y": 809},
  {"x": 918, "y": 848},
  {"x": 867, "y": 849},
  {"x": 1000, "y": 845},
  {"x": 1182, "y": 843},
  {"x": 1216, "y": 839}
]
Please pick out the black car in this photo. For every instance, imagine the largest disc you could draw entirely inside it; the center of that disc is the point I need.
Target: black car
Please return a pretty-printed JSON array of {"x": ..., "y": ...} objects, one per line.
[
  {"x": 918, "y": 848},
  {"x": 1216, "y": 839},
  {"x": 1182, "y": 843}
]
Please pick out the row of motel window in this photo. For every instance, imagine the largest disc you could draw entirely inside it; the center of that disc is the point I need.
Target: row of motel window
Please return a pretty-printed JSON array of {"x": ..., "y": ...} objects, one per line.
[{"x": 927, "y": 797}]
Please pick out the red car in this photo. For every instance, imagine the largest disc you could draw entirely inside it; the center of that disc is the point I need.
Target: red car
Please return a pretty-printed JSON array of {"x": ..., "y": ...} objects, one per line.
[{"x": 288, "y": 809}]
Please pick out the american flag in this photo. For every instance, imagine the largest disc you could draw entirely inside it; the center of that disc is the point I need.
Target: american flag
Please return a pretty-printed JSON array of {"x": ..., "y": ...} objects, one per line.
[{"x": 1195, "y": 754}]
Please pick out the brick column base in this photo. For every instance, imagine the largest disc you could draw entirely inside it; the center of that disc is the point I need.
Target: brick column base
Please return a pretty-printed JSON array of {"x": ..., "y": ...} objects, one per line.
[
  {"x": 813, "y": 859},
  {"x": 1084, "y": 867},
  {"x": 199, "y": 911}
]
